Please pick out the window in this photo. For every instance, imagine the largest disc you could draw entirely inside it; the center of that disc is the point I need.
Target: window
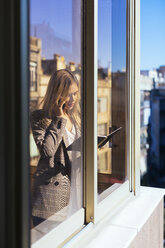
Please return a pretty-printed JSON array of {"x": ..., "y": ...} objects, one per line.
[
  {"x": 55, "y": 78},
  {"x": 112, "y": 101},
  {"x": 92, "y": 41},
  {"x": 76, "y": 28},
  {"x": 33, "y": 76}
]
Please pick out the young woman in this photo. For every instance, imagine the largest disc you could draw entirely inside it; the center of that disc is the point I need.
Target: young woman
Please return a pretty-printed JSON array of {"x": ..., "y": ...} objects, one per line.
[{"x": 55, "y": 127}]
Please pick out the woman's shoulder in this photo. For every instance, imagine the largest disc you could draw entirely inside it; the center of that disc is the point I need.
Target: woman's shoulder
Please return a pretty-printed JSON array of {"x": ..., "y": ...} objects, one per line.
[
  {"x": 37, "y": 114},
  {"x": 40, "y": 117}
]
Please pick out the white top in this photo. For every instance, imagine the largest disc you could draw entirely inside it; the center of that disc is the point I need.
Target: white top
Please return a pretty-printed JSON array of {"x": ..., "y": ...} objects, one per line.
[
  {"x": 75, "y": 202},
  {"x": 71, "y": 135}
]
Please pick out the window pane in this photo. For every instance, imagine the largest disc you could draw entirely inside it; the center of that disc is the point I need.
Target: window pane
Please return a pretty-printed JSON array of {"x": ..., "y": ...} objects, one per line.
[
  {"x": 55, "y": 113},
  {"x": 111, "y": 94}
]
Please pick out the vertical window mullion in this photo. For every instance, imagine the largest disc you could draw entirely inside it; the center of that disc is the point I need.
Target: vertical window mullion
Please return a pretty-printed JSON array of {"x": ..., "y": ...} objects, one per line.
[
  {"x": 90, "y": 80},
  {"x": 137, "y": 95},
  {"x": 134, "y": 91},
  {"x": 132, "y": 106},
  {"x": 129, "y": 85}
]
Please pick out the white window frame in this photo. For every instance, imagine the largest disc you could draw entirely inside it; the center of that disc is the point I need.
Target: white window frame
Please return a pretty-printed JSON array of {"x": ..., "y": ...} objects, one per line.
[{"x": 96, "y": 211}]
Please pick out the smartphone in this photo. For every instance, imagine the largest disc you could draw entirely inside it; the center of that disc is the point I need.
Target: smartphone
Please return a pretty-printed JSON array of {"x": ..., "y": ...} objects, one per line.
[{"x": 59, "y": 101}]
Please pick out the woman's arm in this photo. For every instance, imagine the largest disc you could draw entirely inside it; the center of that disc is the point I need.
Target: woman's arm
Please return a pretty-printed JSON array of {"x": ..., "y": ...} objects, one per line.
[{"x": 47, "y": 137}]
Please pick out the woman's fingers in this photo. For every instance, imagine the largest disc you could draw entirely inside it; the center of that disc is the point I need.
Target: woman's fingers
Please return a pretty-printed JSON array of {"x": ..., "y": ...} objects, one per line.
[
  {"x": 59, "y": 107},
  {"x": 61, "y": 103}
]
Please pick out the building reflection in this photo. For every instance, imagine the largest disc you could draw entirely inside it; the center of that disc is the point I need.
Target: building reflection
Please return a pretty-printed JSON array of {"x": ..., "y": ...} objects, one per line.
[
  {"x": 111, "y": 110},
  {"x": 41, "y": 70},
  {"x": 112, "y": 168},
  {"x": 104, "y": 121}
]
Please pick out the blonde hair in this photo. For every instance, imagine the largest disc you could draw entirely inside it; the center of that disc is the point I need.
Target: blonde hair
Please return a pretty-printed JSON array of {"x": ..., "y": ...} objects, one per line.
[{"x": 58, "y": 87}]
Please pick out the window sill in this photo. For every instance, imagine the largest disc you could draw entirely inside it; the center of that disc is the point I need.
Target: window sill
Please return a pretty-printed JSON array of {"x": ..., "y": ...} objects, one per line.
[
  {"x": 52, "y": 232},
  {"x": 129, "y": 223}
]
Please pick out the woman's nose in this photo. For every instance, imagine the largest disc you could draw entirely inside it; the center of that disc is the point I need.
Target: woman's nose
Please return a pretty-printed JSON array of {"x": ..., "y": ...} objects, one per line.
[{"x": 71, "y": 98}]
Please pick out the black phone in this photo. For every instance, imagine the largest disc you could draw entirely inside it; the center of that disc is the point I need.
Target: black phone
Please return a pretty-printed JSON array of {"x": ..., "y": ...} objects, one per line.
[{"x": 59, "y": 101}]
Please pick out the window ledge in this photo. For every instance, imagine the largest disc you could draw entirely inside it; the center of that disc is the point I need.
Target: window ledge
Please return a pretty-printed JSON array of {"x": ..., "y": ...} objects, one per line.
[{"x": 121, "y": 230}]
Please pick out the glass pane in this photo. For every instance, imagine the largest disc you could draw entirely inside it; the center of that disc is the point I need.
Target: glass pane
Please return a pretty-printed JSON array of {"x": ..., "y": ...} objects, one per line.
[
  {"x": 111, "y": 99},
  {"x": 55, "y": 113}
]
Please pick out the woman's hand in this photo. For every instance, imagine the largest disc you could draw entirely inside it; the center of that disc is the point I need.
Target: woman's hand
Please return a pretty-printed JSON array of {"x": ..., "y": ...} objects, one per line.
[{"x": 59, "y": 109}]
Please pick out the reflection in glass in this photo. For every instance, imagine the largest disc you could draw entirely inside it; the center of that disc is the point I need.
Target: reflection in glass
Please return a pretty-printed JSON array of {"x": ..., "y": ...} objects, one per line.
[
  {"x": 55, "y": 113},
  {"x": 111, "y": 94},
  {"x": 102, "y": 104}
]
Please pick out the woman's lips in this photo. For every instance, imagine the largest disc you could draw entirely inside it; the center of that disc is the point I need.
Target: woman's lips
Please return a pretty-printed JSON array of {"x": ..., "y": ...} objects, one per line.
[{"x": 71, "y": 104}]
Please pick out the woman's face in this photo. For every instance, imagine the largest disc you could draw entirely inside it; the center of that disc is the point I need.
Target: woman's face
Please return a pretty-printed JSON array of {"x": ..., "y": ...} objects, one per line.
[{"x": 72, "y": 97}]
